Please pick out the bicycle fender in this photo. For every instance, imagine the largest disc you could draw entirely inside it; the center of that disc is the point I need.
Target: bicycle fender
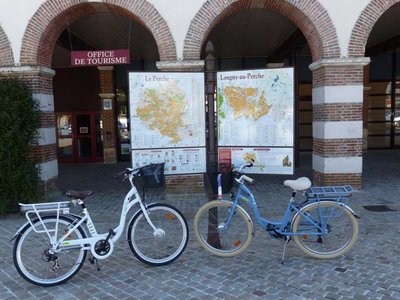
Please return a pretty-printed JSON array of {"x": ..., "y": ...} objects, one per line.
[
  {"x": 338, "y": 203},
  {"x": 21, "y": 229},
  {"x": 351, "y": 210}
]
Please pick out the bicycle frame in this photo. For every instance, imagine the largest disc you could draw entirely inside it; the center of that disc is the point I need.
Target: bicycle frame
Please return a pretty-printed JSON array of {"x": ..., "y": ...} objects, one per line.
[
  {"x": 281, "y": 226},
  {"x": 131, "y": 198}
]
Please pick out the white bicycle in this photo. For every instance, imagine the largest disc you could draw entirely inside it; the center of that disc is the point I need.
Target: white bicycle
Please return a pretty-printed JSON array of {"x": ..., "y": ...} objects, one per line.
[{"x": 52, "y": 246}]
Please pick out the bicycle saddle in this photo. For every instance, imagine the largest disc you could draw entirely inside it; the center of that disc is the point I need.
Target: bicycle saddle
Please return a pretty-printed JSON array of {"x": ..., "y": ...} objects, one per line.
[
  {"x": 79, "y": 194},
  {"x": 300, "y": 184}
]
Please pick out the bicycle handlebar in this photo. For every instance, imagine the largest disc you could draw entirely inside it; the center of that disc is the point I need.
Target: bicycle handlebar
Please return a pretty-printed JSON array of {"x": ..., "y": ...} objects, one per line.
[
  {"x": 248, "y": 179},
  {"x": 127, "y": 172},
  {"x": 242, "y": 176}
]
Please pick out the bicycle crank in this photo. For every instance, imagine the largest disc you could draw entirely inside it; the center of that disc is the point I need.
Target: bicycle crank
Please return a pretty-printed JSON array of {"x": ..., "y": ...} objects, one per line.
[{"x": 102, "y": 249}]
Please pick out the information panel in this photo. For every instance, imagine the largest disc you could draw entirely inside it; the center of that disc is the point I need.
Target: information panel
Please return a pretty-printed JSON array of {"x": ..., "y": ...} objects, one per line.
[
  {"x": 255, "y": 118},
  {"x": 266, "y": 160},
  {"x": 167, "y": 112},
  {"x": 177, "y": 161},
  {"x": 255, "y": 108}
]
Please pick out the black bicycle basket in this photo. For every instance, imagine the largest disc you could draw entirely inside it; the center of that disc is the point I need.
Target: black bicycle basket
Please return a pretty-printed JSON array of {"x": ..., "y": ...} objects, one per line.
[{"x": 153, "y": 176}]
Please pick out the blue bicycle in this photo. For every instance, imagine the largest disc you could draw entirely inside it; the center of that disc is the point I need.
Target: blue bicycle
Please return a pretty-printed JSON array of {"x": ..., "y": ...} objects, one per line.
[{"x": 323, "y": 226}]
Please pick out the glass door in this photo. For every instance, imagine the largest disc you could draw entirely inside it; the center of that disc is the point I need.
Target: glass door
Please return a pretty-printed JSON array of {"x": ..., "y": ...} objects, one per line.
[
  {"x": 123, "y": 136},
  {"x": 65, "y": 150},
  {"x": 83, "y": 136},
  {"x": 79, "y": 137}
]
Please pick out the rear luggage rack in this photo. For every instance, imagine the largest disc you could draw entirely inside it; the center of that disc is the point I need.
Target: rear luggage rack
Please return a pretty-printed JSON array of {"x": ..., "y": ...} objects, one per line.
[
  {"x": 42, "y": 207},
  {"x": 335, "y": 193}
]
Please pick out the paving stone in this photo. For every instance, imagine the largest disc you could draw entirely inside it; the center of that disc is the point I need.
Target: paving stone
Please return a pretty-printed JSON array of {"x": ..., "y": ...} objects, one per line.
[{"x": 369, "y": 271}]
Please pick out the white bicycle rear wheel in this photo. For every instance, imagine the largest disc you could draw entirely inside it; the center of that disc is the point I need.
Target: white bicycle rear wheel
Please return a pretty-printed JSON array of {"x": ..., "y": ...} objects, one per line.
[{"x": 33, "y": 260}]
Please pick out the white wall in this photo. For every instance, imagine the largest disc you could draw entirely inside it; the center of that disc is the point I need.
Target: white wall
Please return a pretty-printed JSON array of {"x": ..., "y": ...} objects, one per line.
[
  {"x": 179, "y": 18},
  {"x": 14, "y": 17},
  {"x": 15, "y": 14},
  {"x": 344, "y": 15}
]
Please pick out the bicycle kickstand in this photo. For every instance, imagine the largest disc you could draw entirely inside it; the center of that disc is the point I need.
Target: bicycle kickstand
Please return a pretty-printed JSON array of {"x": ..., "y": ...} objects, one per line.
[
  {"x": 94, "y": 260},
  {"x": 287, "y": 240}
]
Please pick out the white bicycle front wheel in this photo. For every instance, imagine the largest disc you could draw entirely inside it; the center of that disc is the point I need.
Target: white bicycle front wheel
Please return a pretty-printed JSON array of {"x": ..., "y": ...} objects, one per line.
[
  {"x": 33, "y": 260},
  {"x": 163, "y": 245}
]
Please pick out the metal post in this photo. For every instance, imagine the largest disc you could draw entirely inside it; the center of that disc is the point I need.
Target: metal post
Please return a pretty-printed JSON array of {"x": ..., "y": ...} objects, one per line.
[{"x": 210, "y": 84}]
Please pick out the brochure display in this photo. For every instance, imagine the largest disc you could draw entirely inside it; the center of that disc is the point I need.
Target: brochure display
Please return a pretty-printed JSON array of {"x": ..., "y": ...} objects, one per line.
[
  {"x": 255, "y": 119},
  {"x": 167, "y": 121}
]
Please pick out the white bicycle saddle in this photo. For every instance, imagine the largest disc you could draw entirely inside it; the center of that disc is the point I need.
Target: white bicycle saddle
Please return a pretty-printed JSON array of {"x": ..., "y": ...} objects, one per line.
[{"x": 300, "y": 184}]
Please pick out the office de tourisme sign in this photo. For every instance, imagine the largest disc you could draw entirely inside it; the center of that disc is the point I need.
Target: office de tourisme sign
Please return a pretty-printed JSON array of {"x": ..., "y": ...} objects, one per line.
[{"x": 100, "y": 57}]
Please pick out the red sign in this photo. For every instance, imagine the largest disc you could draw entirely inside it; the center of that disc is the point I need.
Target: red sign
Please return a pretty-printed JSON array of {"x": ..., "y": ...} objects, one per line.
[{"x": 100, "y": 57}]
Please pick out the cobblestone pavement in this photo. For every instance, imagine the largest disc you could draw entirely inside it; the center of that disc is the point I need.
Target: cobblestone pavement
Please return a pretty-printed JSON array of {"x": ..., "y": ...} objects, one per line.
[{"x": 371, "y": 270}]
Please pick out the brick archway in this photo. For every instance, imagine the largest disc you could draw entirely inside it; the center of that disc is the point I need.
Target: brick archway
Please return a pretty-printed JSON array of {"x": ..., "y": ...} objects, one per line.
[
  {"x": 310, "y": 16},
  {"x": 6, "y": 55},
  {"x": 50, "y": 20},
  {"x": 365, "y": 23}
]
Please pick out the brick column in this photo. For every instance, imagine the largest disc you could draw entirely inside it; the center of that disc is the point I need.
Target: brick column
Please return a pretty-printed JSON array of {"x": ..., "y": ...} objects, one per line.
[
  {"x": 107, "y": 93},
  {"x": 183, "y": 184},
  {"x": 338, "y": 121},
  {"x": 40, "y": 81}
]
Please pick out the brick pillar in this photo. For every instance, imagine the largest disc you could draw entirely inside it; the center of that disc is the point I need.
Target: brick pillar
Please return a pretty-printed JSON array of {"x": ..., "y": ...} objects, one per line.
[
  {"x": 107, "y": 96},
  {"x": 40, "y": 81},
  {"x": 338, "y": 121},
  {"x": 183, "y": 184}
]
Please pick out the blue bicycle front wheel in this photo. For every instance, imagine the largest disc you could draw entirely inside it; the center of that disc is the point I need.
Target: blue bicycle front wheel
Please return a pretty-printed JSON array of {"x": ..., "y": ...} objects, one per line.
[{"x": 221, "y": 232}]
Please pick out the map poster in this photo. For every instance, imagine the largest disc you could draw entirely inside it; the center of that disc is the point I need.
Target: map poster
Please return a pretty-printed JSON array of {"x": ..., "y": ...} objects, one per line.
[
  {"x": 177, "y": 161},
  {"x": 167, "y": 121},
  {"x": 266, "y": 160},
  {"x": 255, "y": 108},
  {"x": 167, "y": 110}
]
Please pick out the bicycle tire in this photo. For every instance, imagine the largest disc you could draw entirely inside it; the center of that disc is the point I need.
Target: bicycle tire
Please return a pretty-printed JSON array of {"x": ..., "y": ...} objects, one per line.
[
  {"x": 153, "y": 249},
  {"x": 227, "y": 242},
  {"x": 341, "y": 224},
  {"x": 30, "y": 258}
]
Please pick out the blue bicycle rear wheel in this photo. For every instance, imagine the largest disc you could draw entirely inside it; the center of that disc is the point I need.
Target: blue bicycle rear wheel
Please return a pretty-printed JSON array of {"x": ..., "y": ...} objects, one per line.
[{"x": 336, "y": 234}]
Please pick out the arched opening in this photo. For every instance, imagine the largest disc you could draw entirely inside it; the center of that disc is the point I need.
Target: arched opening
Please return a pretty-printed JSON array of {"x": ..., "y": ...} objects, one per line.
[
  {"x": 265, "y": 34},
  {"x": 382, "y": 82},
  {"x": 84, "y": 131},
  {"x": 311, "y": 18},
  {"x": 46, "y": 44},
  {"x": 245, "y": 40}
]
